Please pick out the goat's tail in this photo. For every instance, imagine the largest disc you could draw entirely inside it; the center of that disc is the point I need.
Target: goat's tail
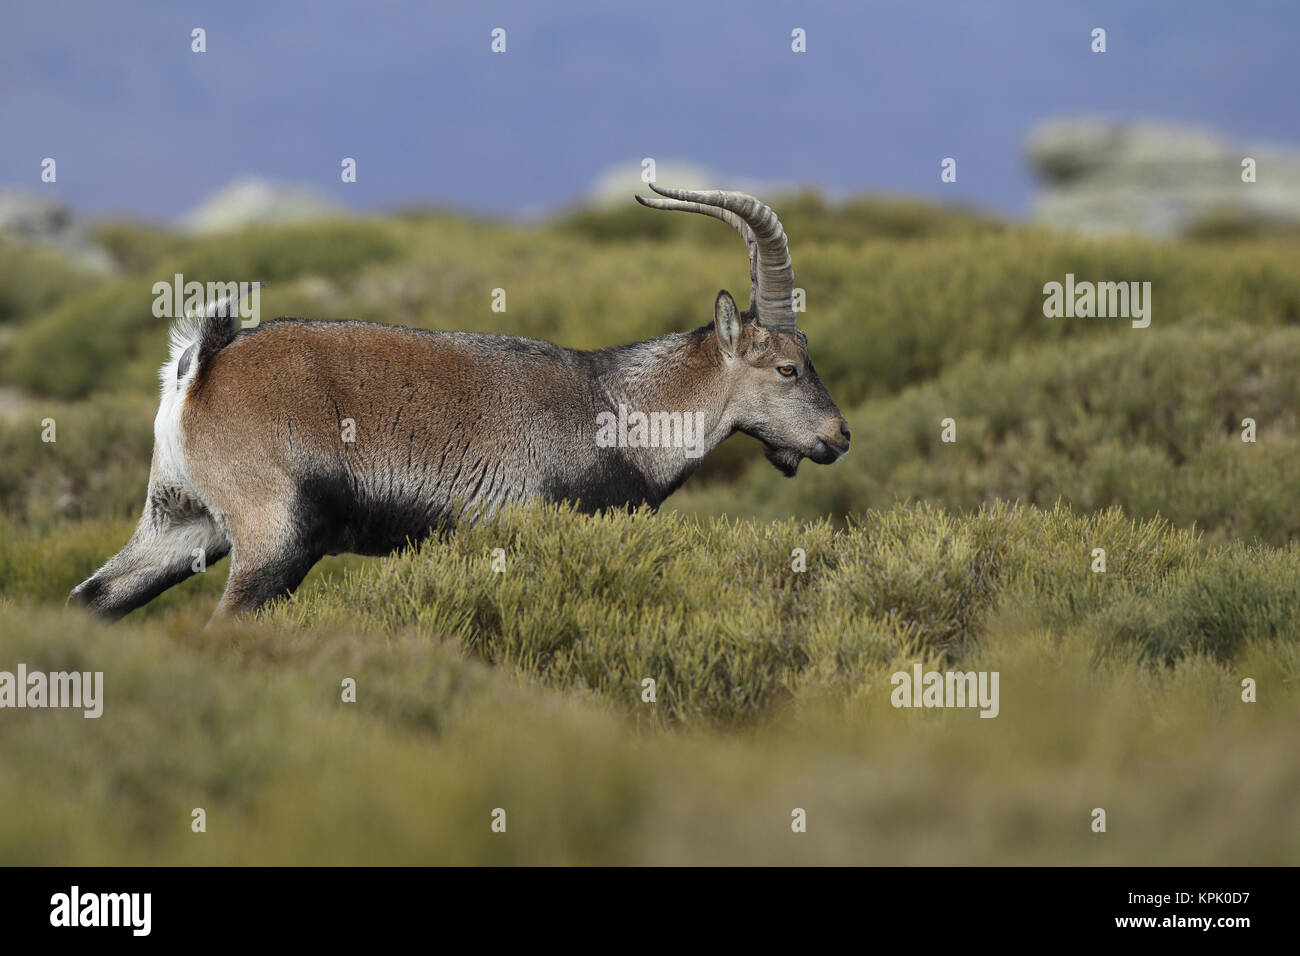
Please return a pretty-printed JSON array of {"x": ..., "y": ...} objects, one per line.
[
  {"x": 196, "y": 338},
  {"x": 219, "y": 326}
]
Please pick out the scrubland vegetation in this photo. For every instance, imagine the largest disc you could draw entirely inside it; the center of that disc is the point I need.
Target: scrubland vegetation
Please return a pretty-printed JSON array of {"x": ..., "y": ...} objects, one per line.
[{"x": 524, "y": 690}]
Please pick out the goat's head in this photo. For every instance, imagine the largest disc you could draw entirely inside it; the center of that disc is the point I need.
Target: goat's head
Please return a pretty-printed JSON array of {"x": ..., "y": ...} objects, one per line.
[{"x": 772, "y": 387}]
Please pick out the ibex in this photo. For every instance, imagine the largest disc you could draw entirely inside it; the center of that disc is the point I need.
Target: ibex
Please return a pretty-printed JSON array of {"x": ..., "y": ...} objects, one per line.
[{"x": 295, "y": 439}]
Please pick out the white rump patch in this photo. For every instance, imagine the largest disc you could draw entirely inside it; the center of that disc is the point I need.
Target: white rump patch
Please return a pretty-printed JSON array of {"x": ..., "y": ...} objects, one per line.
[
  {"x": 169, "y": 460},
  {"x": 185, "y": 334}
]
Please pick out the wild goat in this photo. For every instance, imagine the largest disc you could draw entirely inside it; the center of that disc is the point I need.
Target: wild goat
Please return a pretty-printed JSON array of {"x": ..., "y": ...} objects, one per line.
[{"x": 296, "y": 439}]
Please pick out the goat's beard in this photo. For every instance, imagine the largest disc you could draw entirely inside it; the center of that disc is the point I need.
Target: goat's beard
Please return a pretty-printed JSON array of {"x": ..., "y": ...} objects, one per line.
[{"x": 785, "y": 460}]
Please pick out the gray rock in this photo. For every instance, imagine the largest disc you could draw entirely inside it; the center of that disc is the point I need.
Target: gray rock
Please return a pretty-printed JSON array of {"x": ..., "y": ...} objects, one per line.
[
  {"x": 47, "y": 221},
  {"x": 1156, "y": 179},
  {"x": 252, "y": 201}
]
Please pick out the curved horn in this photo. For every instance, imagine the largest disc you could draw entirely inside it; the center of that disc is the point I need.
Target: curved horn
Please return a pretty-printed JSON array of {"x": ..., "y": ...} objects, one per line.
[
  {"x": 727, "y": 216},
  {"x": 770, "y": 267}
]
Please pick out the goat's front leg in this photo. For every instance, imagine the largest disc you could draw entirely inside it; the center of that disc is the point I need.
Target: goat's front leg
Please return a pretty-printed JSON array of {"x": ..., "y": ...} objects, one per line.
[{"x": 175, "y": 539}]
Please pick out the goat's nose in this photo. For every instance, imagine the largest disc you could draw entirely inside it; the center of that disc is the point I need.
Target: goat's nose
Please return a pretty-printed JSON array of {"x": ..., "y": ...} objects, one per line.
[{"x": 844, "y": 430}]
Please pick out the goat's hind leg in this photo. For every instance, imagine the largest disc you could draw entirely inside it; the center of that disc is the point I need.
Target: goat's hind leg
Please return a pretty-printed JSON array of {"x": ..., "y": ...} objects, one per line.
[
  {"x": 173, "y": 534},
  {"x": 269, "y": 559}
]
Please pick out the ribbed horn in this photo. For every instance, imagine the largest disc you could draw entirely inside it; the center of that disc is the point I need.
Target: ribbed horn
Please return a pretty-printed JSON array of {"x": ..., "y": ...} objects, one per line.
[
  {"x": 727, "y": 216},
  {"x": 771, "y": 270}
]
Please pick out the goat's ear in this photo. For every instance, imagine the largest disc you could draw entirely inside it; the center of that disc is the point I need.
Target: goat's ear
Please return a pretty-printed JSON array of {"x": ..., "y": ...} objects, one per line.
[{"x": 726, "y": 323}]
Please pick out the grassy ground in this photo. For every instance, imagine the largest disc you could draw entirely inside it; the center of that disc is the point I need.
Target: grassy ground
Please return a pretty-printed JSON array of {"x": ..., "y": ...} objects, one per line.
[{"x": 523, "y": 690}]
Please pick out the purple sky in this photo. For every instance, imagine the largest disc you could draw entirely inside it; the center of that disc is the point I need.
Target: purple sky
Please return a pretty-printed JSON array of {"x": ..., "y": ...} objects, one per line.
[{"x": 139, "y": 124}]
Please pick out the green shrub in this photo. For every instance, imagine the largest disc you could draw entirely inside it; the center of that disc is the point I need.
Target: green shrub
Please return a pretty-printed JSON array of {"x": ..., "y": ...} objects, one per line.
[
  {"x": 716, "y": 613},
  {"x": 97, "y": 466},
  {"x": 1128, "y": 680},
  {"x": 137, "y": 247},
  {"x": 33, "y": 278},
  {"x": 524, "y": 689},
  {"x": 807, "y": 217}
]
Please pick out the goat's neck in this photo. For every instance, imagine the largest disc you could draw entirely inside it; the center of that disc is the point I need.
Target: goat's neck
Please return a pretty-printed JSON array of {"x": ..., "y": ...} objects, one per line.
[{"x": 681, "y": 373}]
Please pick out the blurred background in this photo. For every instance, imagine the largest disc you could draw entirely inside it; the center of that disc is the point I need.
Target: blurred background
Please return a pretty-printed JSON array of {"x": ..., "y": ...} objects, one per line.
[
  {"x": 142, "y": 126},
  {"x": 129, "y": 157},
  {"x": 1174, "y": 446},
  {"x": 477, "y": 170}
]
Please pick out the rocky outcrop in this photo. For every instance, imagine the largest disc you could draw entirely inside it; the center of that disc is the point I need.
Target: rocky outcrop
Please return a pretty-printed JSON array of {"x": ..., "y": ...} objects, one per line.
[
  {"x": 1157, "y": 179},
  {"x": 252, "y": 201},
  {"x": 47, "y": 221}
]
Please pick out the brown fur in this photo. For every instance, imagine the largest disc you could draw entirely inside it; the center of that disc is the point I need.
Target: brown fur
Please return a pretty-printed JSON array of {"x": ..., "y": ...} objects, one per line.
[{"x": 445, "y": 427}]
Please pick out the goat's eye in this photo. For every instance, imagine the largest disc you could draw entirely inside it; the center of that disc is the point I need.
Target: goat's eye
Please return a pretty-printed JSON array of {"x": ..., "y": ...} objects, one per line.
[{"x": 788, "y": 371}]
